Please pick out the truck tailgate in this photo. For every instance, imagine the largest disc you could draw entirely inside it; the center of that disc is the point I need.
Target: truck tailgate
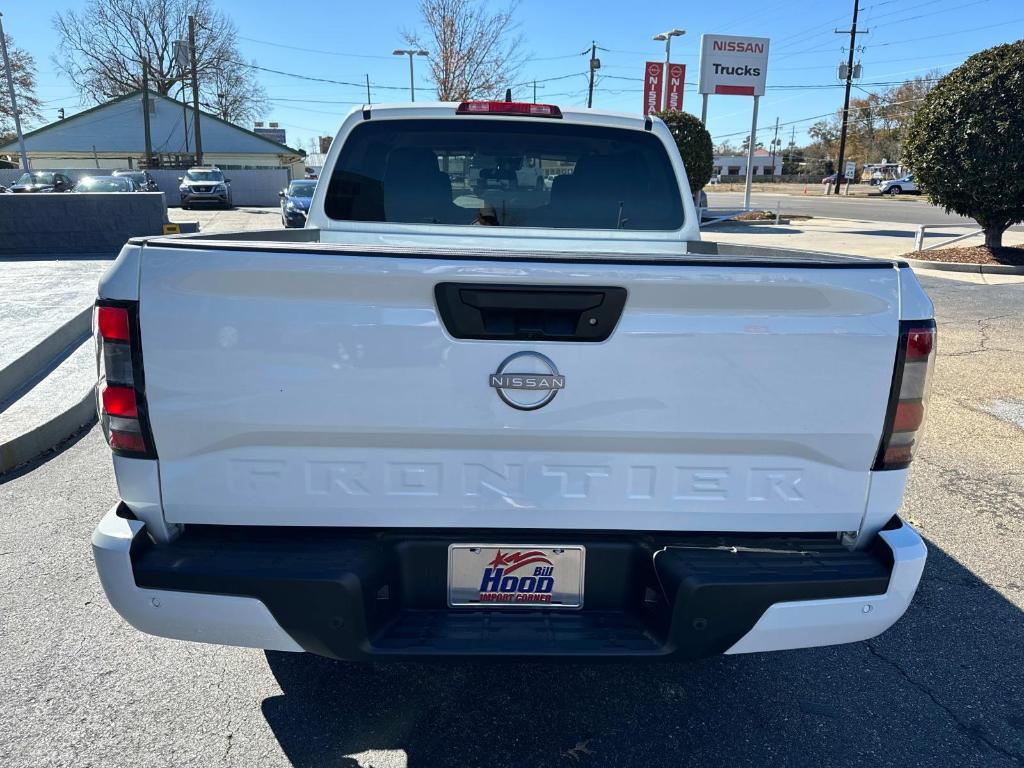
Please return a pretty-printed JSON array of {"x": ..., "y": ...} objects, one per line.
[{"x": 313, "y": 387}]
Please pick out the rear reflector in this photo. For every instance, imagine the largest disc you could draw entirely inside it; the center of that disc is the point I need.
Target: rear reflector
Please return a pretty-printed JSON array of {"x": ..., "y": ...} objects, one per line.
[
  {"x": 508, "y": 108},
  {"x": 127, "y": 442},
  {"x": 909, "y": 415},
  {"x": 908, "y": 397},
  {"x": 112, "y": 323}
]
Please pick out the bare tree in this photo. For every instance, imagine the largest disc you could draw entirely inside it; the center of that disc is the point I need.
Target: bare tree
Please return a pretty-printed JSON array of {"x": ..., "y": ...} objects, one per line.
[
  {"x": 475, "y": 52},
  {"x": 104, "y": 47},
  {"x": 23, "y": 68},
  {"x": 238, "y": 98}
]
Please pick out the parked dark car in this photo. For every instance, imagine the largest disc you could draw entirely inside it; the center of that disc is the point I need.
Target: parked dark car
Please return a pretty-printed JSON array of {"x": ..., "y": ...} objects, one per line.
[
  {"x": 295, "y": 202},
  {"x": 42, "y": 181},
  {"x": 831, "y": 179},
  {"x": 106, "y": 184},
  {"x": 143, "y": 181}
]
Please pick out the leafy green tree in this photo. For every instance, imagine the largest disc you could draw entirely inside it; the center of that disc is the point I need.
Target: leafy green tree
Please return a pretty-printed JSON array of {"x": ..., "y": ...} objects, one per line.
[
  {"x": 694, "y": 144},
  {"x": 966, "y": 142}
]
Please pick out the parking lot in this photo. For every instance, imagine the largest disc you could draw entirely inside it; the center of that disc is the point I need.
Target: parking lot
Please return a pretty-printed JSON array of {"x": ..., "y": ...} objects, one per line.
[
  {"x": 233, "y": 220},
  {"x": 943, "y": 687}
]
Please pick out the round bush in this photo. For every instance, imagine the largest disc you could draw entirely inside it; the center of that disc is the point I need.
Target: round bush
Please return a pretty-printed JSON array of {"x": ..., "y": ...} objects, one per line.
[
  {"x": 966, "y": 141},
  {"x": 694, "y": 144}
]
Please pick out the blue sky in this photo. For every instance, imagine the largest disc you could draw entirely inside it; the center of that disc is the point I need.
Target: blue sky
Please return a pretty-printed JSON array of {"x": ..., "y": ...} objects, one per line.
[{"x": 348, "y": 40}]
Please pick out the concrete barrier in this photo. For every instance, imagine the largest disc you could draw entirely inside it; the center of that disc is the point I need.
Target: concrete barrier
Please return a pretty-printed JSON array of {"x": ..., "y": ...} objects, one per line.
[
  {"x": 17, "y": 374},
  {"x": 49, "y": 434},
  {"x": 44, "y": 224}
]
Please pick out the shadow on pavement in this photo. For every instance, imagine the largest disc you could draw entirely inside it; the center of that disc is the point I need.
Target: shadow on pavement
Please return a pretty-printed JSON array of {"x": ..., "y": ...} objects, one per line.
[
  {"x": 942, "y": 687},
  {"x": 49, "y": 455}
]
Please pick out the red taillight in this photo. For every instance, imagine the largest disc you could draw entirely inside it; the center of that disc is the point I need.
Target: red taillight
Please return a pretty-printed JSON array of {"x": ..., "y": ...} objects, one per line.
[
  {"x": 508, "y": 108},
  {"x": 112, "y": 323},
  {"x": 919, "y": 343},
  {"x": 120, "y": 397},
  {"x": 908, "y": 398},
  {"x": 120, "y": 401}
]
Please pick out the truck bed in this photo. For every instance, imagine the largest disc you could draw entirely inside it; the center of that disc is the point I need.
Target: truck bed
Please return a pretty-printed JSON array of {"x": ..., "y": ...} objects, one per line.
[
  {"x": 690, "y": 252},
  {"x": 296, "y": 382}
]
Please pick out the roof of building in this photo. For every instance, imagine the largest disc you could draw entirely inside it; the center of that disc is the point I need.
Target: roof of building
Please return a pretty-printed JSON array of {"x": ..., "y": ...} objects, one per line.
[{"x": 79, "y": 132}]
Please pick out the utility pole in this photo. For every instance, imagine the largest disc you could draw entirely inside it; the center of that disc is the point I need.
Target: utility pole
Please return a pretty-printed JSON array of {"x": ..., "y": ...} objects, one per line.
[
  {"x": 145, "y": 112},
  {"x": 594, "y": 64},
  {"x": 846, "y": 99},
  {"x": 534, "y": 91},
  {"x": 368, "y": 99},
  {"x": 14, "y": 100},
  {"x": 775, "y": 145},
  {"x": 195, "y": 88}
]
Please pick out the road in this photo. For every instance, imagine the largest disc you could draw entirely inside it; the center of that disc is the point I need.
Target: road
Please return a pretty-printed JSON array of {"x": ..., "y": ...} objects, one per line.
[
  {"x": 910, "y": 211},
  {"x": 942, "y": 688}
]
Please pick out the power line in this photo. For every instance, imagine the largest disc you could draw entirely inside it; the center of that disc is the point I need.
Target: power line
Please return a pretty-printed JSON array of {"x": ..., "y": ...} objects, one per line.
[
  {"x": 885, "y": 105},
  {"x": 903, "y": 40}
]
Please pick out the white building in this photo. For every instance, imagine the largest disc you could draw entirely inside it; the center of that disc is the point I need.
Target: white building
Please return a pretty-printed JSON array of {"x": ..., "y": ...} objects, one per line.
[
  {"x": 736, "y": 165},
  {"x": 112, "y": 135}
]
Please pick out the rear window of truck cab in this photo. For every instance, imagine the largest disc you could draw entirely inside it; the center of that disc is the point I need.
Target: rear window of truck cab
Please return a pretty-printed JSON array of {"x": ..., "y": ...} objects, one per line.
[{"x": 504, "y": 173}]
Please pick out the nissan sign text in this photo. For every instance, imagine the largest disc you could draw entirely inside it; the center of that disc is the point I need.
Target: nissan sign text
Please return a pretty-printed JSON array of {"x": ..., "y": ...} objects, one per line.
[{"x": 733, "y": 66}]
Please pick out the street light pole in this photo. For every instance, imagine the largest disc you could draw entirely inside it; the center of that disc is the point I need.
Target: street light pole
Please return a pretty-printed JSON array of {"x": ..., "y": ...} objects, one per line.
[
  {"x": 667, "y": 37},
  {"x": 14, "y": 100},
  {"x": 412, "y": 80}
]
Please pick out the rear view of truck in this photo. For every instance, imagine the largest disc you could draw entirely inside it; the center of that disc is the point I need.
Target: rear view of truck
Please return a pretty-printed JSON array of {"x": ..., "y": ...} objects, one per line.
[{"x": 456, "y": 418}]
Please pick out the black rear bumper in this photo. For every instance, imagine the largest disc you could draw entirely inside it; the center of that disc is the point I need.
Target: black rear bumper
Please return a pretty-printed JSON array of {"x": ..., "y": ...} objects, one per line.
[{"x": 362, "y": 594}]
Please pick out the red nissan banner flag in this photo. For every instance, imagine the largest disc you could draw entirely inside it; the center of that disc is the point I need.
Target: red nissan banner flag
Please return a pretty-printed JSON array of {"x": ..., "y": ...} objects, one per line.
[
  {"x": 653, "y": 71},
  {"x": 676, "y": 79}
]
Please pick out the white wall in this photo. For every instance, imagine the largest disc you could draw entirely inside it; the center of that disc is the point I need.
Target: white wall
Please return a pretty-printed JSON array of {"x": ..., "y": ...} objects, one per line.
[{"x": 762, "y": 164}]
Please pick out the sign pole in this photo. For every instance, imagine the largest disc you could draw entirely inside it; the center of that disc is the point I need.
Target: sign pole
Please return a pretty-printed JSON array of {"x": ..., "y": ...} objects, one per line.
[
  {"x": 704, "y": 110},
  {"x": 750, "y": 156}
]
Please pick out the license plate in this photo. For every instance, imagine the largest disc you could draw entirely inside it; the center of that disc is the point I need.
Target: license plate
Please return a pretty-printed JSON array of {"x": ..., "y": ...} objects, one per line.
[{"x": 515, "y": 576}]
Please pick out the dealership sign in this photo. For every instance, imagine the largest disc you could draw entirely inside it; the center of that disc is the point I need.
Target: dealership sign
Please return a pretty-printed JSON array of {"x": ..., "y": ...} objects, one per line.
[
  {"x": 652, "y": 86},
  {"x": 676, "y": 76},
  {"x": 733, "y": 66}
]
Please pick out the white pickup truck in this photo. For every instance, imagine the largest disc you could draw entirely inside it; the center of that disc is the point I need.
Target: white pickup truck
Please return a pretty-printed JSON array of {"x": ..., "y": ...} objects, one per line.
[{"x": 446, "y": 421}]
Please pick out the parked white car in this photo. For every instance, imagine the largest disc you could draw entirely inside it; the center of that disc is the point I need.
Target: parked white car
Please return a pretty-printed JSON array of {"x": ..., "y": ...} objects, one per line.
[
  {"x": 902, "y": 186},
  {"x": 502, "y": 425}
]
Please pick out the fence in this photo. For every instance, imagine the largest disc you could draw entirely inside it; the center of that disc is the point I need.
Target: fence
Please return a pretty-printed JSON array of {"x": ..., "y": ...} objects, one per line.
[{"x": 248, "y": 187}]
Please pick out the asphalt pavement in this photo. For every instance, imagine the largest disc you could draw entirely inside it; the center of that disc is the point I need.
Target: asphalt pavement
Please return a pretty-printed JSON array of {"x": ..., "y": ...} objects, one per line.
[
  {"x": 942, "y": 688},
  {"x": 913, "y": 210}
]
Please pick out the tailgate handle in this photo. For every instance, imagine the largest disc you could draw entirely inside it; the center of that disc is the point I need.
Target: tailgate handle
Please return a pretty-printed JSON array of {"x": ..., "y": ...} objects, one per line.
[{"x": 529, "y": 312}]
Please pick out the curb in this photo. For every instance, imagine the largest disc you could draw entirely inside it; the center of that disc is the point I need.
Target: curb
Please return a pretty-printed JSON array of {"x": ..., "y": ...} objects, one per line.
[
  {"x": 953, "y": 266},
  {"x": 16, "y": 374},
  {"x": 48, "y": 435}
]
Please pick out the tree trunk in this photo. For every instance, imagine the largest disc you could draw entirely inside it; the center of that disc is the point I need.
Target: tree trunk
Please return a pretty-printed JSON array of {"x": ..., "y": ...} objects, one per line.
[{"x": 994, "y": 235}]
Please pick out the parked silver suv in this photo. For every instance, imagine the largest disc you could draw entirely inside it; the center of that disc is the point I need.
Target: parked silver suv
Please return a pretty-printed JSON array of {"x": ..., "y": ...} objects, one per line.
[{"x": 204, "y": 185}]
